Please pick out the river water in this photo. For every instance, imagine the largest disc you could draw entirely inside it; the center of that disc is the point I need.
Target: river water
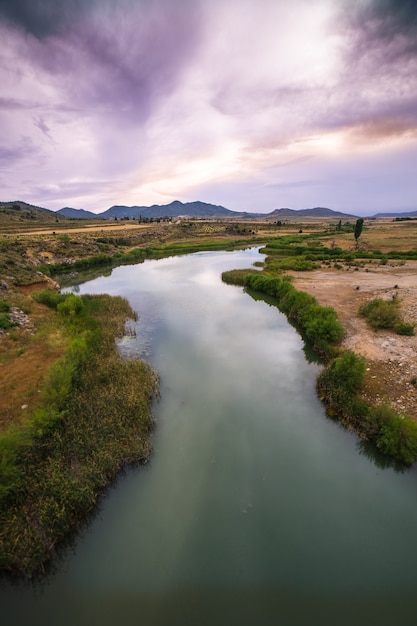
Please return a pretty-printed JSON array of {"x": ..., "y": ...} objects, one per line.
[{"x": 255, "y": 508}]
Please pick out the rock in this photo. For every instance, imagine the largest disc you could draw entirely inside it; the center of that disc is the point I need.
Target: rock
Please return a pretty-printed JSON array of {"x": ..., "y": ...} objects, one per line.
[
  {"x": 20, "y": 318},
  {"x": 4, "y": 285}
]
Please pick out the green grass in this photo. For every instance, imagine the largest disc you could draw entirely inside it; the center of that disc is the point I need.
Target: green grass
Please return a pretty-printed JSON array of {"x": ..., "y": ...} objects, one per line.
[{"x": 94, "y": 418}]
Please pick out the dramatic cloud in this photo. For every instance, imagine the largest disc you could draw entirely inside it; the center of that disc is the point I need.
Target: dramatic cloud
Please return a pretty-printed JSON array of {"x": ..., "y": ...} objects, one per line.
[{"x": 249, "y": 104}]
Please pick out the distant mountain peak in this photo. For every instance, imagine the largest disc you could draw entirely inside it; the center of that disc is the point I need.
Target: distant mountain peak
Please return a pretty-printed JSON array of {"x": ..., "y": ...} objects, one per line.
[
  {"x": 76, "y": 213},
  {"x": 314, "y": 212}
]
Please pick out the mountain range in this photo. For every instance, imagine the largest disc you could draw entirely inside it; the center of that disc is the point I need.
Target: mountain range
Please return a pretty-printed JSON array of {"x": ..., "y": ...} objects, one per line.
[
  {"x": 184, "y": 209},
  {"x": 195, "y": 209}
]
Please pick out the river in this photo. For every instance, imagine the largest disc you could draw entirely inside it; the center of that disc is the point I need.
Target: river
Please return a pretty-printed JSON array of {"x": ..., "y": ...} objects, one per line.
[{"x": 255, "y": 508}]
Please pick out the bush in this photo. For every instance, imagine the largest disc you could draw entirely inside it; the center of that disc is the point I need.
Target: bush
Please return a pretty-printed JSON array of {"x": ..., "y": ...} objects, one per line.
[
  {"x": 381, "y": 313},
  {"x": 235, "y": 277},
  {"x": 6, "y": 322},
  {"x": 322, "y": 326},
  {"x": 398, "y": 437},
  {"x": 344, "y": 374},
  {"x": 404, "y": 328},
  {"x": 339, "y": 385},
  {"x": 4, "y": 306},
  {"x": 71, "y": 306},
  {"x": 49, "y": 298},
  {"x": 384, "y": 314}
]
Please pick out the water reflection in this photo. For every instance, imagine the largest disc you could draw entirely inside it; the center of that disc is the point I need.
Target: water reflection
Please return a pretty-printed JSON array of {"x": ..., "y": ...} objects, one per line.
[{"x": 371, "y": 452}]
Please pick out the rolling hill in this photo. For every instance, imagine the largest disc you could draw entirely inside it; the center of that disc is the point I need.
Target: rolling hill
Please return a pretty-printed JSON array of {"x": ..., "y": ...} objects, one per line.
[{"x": 197, "y": 209}]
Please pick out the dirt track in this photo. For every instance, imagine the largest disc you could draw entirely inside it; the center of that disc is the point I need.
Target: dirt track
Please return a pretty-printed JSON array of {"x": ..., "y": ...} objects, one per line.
[
  {"x": 391, "y": 358},
  {"x": 88, "y": 228}
]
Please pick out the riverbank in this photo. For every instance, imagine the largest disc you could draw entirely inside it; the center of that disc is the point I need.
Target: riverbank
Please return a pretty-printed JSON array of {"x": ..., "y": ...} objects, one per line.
[
  {"x": 391, "y": 359},
  {"x": 341, "y": 384},
  {"x": 93, "y": 418}
]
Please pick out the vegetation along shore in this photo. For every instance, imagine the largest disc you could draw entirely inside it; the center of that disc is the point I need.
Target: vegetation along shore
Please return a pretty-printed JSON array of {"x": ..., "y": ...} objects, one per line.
[
  {"x": 92, "y": 418},
  {"x": 361, "y": 391}
]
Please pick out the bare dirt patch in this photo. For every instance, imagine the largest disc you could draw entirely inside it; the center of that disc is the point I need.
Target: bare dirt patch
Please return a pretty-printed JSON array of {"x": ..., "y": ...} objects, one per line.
[
  {"x": 391, "y": 358},
  {"x": 26, "y": 355},
  {"x": 88, "y": 228}
]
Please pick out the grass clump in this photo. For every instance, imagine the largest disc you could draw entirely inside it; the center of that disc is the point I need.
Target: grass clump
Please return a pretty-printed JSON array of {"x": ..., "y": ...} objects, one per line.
[
  {"x": 236, "y": 277},
  {"x": 49, "y": 298},
  {"x": 404, "y": 328},
  {"x": 4, "y": 306},
  {"x": 94, "y": 417},
  {"x": 385, "y": 314},
  {"x": 6, "y": 322},
  {"x": 381, "y": 313}
]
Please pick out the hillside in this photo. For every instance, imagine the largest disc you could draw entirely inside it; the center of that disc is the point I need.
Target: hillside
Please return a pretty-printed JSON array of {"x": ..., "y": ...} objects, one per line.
[
  {"x": 316, "y": 212},
  {"x": 398, "y": 214},
  {"x": 22, "y": 210},
  {"x": 198, "y": 209},
  {"x": 174, "y": 209},
  {"x": 17, "y": 214},
  {"x": 76, "y": 213}
]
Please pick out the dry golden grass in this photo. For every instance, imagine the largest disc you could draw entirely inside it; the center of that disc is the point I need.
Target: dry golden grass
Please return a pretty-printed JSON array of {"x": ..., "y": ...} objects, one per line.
[{"x": 384, "y": 235}]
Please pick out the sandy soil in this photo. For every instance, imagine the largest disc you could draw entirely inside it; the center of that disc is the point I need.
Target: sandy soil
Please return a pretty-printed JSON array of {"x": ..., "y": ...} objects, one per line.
[{"x": 391, "y": 358}]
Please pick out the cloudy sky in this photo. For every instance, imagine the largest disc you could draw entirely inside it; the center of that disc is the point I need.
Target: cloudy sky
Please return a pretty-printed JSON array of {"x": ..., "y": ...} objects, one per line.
[{"x": 252, "y": 104}]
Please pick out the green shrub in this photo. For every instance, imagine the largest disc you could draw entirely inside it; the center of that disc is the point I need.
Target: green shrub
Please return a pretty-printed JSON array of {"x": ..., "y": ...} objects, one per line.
[
  {"x": 298, "y": 264},
  {"x": 6, "y": 322},
  {"x": 235, "y": 277},
  {"x": 404, "y": 328},
  {"x": 322, "y": 326},
  {"x": 398, "y": 438},
  {"x": 49, "y": 298},
  {"x": 339, "y": 385},
  {"x": 381, "y": 313},
  {"x": 4, "y": 306},
  {"x": 71, "y": 306},
  {"x": 345, "y": 374}
]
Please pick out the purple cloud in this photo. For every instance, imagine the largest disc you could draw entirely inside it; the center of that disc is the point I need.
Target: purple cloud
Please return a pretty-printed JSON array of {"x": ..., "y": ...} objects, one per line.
[
  {"x": 269, "y": 104},
  {"x": 118, "y": 56},
  {"x": 39, "y": 122}
]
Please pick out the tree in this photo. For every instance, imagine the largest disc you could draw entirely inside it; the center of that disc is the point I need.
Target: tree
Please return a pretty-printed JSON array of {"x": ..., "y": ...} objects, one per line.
[{"x": 358, "y": 228}]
